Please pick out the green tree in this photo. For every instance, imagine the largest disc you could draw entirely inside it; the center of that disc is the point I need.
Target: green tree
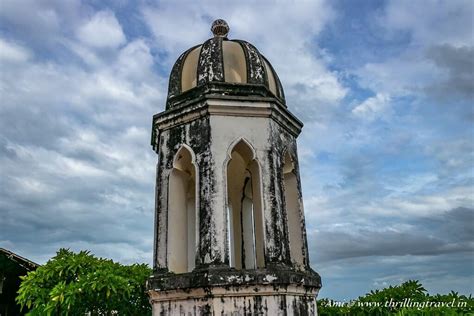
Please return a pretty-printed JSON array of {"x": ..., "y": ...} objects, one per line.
[
  {"x": 78, "y": 283},
  {"x": 408, "y": 298}
]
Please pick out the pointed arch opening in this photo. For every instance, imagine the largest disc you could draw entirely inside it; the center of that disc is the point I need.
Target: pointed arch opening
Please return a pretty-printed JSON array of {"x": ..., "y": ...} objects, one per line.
[
  {"x": 293, "y": 211},
  {"x": 244, "y": 208},
  {"x": 182, "y": 232}
]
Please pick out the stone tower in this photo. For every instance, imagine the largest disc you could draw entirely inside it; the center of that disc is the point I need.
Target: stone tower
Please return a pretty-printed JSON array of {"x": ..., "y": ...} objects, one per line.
[{"x": 230, "y": 234}]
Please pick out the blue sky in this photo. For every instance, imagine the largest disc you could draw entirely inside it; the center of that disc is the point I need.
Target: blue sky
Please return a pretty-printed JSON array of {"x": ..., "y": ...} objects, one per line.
[{"x": 385, "y": 89}]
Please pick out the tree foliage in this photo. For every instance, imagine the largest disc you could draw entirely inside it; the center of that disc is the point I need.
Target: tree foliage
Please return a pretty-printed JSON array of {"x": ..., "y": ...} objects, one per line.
[
  {"x": 409, "y": 298},
  {"x": 79, "y": 283}
]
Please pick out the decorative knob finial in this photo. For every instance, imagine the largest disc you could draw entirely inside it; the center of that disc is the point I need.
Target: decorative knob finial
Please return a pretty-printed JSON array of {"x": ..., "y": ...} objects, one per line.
[{"x": 220, "y": 28}]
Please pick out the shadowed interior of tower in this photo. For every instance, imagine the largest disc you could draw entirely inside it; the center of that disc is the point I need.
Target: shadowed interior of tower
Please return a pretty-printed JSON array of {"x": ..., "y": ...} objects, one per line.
[
  {"x": 182, "y": 213},
  {"x": 244, "y": 205}
]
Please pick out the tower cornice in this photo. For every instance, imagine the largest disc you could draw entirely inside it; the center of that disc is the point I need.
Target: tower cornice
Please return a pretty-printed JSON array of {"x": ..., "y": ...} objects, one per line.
[{"x": 224, "y": 105}]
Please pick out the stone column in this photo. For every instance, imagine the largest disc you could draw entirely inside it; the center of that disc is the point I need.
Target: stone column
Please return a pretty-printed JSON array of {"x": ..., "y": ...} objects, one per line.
[
  {"x": 161, "y": 208},
  {"x": 276, "y": 232},
  {"x": 211, "y": 218},
  {"x": 301, "y": 209}
]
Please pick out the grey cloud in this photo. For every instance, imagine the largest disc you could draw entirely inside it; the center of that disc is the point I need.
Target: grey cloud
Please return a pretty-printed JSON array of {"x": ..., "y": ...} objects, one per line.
[
  {"x": 349, "y": 278},
  {"x": 308, "y": 81},
  {"x": 77, "y": 169},
  {"x": 455, "y": 157},
  {"x": 41, "y": 23},
  {"x": 450, "y": 232},
  {"x": 455, "y": 225},
  {"x": 358, "y": 169},
  {"x": 459, "y": 62},
  {"x": 431, "y": 22},
  {"x": 339, "y": 245}
]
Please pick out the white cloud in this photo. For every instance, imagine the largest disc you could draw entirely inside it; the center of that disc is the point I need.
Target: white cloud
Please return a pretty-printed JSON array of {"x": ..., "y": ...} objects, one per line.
[
  {"x": 454, "y": 156},
  {"x": 11, "y": 52},
  {"x": 135, "y": 60},
  {"x": 372, "y": 107},
  {"x": 407, "y": 74},
  {"x": 431, "y": 22},
  {"x": 176, "y": 27},
  {"x": 420, "y": 205},
  {"x": 75, "y": 138},
  {"x": 410, "y": 184},
  {"x": 36, "y": 16},
  {"x": 427, "y": 25},
  {"x": 288, "y": 43},
  {"x": 102, "y": 31}
]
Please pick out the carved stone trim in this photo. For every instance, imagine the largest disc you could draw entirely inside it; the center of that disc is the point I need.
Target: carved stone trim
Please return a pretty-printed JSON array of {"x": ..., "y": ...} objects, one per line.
[{"x": 221, "y": 105}]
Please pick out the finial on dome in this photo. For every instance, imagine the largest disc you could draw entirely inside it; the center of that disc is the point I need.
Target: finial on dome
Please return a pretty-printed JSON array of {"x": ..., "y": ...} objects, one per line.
[{"x": 220, "y": 28}]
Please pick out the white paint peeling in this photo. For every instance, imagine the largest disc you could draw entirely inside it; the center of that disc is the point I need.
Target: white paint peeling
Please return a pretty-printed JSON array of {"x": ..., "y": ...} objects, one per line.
[{"x": 270, "y": 278}]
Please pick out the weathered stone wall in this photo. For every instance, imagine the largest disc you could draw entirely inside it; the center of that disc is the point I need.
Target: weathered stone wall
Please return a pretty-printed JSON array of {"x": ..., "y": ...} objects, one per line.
[
  {"x": 283, "y": 141},
  {"x": 236, "y": 301},
  {"x": 210, "y": 128},
  {"x": 211, "y": 137},
  {"x": 196, "y": 135}
]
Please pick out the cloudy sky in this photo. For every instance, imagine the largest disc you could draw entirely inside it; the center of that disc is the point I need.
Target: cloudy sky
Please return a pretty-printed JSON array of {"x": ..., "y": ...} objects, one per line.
[{"x": 385, "y": 89}]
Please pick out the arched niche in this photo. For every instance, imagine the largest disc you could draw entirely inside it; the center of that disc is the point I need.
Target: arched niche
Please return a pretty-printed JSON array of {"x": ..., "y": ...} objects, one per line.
[
  {"x": 182, "y": 232},
  {"x": 244, "y": 208},
  {"x": 293, "y": 211}
]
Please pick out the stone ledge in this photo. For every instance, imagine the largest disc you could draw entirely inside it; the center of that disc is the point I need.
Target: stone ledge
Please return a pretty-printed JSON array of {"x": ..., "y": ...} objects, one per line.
[
  {"x": 238, "y": 90},
  {"x": 280, "y": 277}
]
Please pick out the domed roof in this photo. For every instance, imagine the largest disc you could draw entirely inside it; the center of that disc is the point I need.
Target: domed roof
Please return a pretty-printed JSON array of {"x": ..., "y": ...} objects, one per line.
[{"x": 222, "y": 66}]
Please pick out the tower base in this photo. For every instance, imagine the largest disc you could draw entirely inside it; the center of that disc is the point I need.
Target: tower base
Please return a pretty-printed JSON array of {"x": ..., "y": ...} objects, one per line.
[{"x": 231, "y": 292}]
